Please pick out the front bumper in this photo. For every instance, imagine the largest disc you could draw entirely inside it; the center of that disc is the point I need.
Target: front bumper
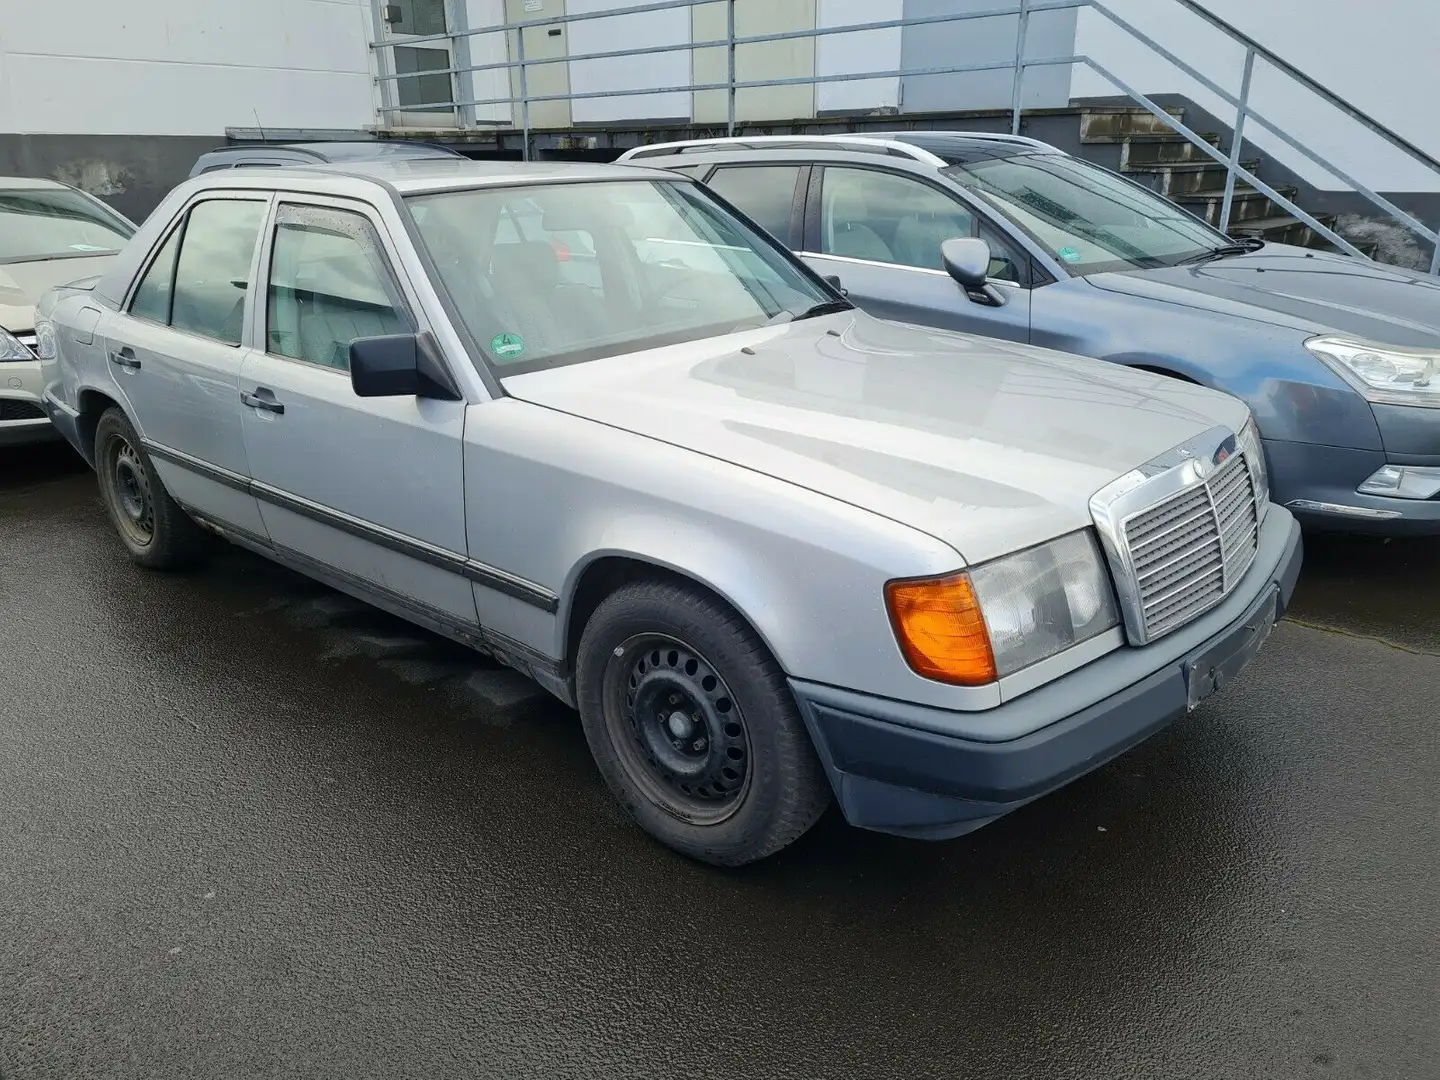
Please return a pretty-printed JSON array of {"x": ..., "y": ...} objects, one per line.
[
  {"x": 22, "y": 411},
  {"x": 895, "y": 769},
  {"x": 1318, "y": 484}
]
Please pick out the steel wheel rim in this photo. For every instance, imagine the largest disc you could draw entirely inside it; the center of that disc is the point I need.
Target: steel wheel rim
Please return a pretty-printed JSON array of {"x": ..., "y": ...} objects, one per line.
[
  {"x": 130, "y": 492},
  {"x": 679, "y": 733}
]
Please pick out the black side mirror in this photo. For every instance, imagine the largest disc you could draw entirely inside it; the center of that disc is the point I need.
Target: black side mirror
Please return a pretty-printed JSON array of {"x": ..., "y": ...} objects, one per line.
[
  {"x": 834, "y": 279},
  {"x": 401, "y": 365},
  {"x": 967, "y": 260}
]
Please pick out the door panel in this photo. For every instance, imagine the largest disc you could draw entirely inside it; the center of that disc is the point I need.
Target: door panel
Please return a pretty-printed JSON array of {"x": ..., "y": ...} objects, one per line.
[
  {"x": 927, "y": 297},
  {"x": 372, "y": 487},
  {"x": 881, "y": 232},
  {"x": 182, "y": 385}
]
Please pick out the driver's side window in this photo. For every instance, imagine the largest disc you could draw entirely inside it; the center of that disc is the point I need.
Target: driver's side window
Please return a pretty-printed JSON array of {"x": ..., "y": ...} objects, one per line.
[{"x": 884, "y": 217}]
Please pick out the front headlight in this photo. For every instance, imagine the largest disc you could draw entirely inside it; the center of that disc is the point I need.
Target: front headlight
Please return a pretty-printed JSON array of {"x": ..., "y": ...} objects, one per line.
[
  {"x": 1386, "y": 374},
  {"x": 1254, "y": 450},
  {"x": 11, "y": 349},
  {"x": 980, "y": 625}
]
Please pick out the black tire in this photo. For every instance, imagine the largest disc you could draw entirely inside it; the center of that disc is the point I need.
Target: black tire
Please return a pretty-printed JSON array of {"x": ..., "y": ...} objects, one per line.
[
  {"x": 654, "y": 647},
  {"x": 157, "y": 533}
]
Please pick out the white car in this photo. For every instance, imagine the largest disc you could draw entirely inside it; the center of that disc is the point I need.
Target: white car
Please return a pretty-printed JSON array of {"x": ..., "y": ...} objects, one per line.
[{"x": 50, "y": 233}]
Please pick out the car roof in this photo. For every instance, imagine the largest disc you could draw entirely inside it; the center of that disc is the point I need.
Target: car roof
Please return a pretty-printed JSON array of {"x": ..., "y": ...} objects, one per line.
[
  {"x": 31, "y": 183},
  {"x": 416, "y": 175}
]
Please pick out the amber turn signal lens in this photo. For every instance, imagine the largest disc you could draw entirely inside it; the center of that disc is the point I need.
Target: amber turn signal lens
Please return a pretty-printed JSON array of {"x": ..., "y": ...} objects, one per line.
[{"x": 940, "y": 629}]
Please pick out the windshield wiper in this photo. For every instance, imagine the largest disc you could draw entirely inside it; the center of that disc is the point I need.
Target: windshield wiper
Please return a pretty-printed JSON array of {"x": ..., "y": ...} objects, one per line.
[
  {"x": 1244, "y": 246},
  {"x": 825, "y": 307}
]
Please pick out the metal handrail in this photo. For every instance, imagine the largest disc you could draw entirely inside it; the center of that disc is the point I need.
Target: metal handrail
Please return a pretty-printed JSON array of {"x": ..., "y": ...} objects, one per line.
[{"x": 1024, "y": 9}]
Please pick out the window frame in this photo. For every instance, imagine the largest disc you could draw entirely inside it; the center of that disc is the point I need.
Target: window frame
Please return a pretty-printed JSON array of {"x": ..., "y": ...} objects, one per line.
[
  {"x": 1032, "y": 274},
  {"x": 408, "y": 301},
  {"x": 795, "y": 226},
  {"x": 181, "y": 224}
]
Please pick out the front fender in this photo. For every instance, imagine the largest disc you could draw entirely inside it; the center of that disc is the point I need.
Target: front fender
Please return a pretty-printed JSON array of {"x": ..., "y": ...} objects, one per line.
[
  {"x": 1294, "y": 397},
  {"x": 806, "y": 571}
]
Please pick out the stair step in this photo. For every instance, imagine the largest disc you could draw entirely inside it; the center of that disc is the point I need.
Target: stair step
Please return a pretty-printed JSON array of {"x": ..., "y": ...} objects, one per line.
[
  {"x": 1163, "y": 150},
  {"x": 1174, "y": 179},
  {"x": 1285, "y": 229},
  {"x": 1247, "y": 205},
  {"x": 1106, "y": 126}
]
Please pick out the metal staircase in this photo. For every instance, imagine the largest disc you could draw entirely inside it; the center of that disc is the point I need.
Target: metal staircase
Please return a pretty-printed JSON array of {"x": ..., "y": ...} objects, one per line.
[{"x": 1153, "y": 154}]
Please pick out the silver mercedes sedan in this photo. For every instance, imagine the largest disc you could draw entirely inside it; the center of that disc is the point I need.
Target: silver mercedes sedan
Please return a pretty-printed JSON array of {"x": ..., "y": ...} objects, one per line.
[{"x": 594, "y": 423}]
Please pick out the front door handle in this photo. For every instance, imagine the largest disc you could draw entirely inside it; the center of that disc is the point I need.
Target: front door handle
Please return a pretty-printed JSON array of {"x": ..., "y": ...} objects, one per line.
[
  {"x": 125, "y": 357},
  {"x": 261, "y": 398}
]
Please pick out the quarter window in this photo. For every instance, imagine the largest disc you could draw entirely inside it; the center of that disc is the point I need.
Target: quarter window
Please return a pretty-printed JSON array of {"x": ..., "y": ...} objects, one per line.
[
  {"x": 765, "y": 193},
  {"x": 329, "y": 285},
  {"x": 212, "y": 274},
  {"x": 152, "y": 297}
]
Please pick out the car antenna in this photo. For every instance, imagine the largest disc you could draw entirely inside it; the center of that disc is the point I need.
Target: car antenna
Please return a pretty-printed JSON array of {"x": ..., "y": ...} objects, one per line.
[{"x": 261, "y": 127}]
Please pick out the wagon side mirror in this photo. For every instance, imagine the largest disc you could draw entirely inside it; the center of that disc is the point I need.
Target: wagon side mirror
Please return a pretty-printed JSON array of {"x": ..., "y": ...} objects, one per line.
[{"x": 967, "y": 260}]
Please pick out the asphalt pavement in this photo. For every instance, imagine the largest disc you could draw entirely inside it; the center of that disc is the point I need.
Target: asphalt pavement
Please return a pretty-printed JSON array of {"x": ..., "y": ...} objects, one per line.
[{"x": 250, "y": 828}]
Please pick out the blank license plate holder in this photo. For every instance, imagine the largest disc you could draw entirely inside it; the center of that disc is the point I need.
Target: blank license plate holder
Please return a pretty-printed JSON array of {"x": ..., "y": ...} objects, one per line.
[{"x": 1216, "y": 667}]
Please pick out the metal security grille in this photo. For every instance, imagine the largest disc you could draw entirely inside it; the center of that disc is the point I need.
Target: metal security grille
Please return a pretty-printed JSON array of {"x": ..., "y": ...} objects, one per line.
[{"x": 1189, "y": 551}]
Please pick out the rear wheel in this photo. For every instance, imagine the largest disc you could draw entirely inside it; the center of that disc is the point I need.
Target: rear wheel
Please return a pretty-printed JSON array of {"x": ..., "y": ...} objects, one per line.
[
  {"x": 693, "y": 726},
  {"x": 154, "y": 529}
]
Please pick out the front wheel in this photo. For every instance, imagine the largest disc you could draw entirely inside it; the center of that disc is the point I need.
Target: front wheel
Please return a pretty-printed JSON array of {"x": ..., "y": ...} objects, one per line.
[
  {"x": 693, "y": 726},
  {"x": 156, "y": 532}
]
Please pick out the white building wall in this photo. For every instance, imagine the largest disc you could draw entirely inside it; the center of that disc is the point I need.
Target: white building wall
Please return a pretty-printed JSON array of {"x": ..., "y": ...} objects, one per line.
[
  {"x": 857, "y": 53},
  {"x": 642, "y": 30},
  {"x": 183, "y": 67},
  {"x": 485, "y": 49},
  {"x": 1378, "y": 55}
]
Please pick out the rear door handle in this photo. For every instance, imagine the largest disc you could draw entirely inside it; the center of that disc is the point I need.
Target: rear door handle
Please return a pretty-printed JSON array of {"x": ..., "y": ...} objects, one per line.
[
  {"x": 261, "y": 398},
  {"x": 125, "y": 357}
]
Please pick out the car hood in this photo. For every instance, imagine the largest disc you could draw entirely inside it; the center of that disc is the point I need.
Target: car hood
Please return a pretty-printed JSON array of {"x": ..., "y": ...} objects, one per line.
[
  {"x": 22, "y": 284},
  {"x": 985, "y": 445},
  {"x": 1313, "y": 292}
]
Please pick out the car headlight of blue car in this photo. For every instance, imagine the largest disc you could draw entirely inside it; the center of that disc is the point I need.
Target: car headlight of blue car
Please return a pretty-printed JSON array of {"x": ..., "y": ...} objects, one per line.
[
  {"x": 1388, "y": 375},
  {"x": 1383, "y": 374}
]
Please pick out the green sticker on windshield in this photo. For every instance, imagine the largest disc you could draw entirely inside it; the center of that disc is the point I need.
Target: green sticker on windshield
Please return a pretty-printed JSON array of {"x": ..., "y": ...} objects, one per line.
[
  {"x": 1069, "y": 254},
  {"x": 507, "y": 346}
]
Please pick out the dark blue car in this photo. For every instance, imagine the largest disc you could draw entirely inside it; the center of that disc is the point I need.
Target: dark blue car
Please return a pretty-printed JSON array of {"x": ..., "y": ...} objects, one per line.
[{"x": 1336, "y": 357}]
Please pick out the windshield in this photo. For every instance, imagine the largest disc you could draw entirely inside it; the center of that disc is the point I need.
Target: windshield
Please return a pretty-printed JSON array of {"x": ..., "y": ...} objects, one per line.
[
  {"x": 552, "y": 274},
  {"x": 1090, "y": 220},
  {"x": 55, "y": 223}
]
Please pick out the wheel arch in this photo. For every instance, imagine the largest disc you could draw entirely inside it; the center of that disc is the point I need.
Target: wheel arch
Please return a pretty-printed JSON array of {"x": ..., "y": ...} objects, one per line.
[
  {"x": 605, "y": 572},
  {"x": 93, "y": 404},
  {"x": 1169, "y": 366}
]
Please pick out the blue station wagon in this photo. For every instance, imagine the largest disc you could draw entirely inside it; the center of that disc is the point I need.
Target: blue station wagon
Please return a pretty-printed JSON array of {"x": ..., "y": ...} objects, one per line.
[{"x": 1336, "y": 356}]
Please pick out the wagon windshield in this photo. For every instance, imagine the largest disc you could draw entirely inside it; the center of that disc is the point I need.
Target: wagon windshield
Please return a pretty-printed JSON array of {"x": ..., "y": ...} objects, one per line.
[
  {"x": 1088, "y": 218},
  {"x": 38, "y": 224},
  {"x": 551, "y": 274}
]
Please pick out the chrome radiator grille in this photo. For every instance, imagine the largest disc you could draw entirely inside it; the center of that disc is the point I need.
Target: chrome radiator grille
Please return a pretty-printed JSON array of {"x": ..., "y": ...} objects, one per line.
[
  {"x": 1187, "y": 551},
  {"x": 28, "y": 340}
]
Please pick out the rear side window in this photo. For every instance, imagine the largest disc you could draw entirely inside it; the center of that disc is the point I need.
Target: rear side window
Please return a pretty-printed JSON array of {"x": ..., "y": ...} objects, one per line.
[
  {"x": 152, "y": 298},
  {"x": 211, "y": 273},
  {"x": 765, "y": 193},
  {"x": 329, "y": 285}
]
